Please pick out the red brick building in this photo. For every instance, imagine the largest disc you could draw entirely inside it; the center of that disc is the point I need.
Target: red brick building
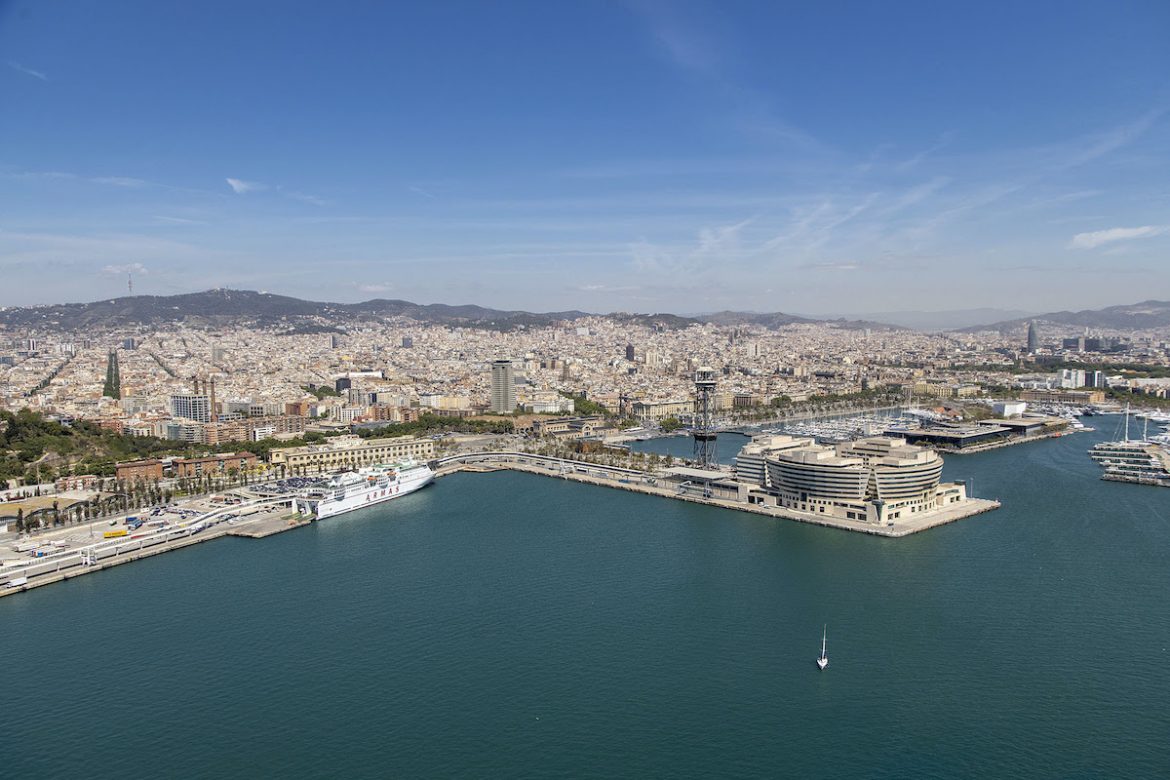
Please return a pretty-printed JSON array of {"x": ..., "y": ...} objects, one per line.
[
  {"x": 214, "y": 464},
  {"x": 139, "y": 470}
]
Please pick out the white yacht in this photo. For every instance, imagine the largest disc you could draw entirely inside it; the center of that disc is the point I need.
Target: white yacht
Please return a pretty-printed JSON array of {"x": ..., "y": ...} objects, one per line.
[{"x": 823, "y": 661}]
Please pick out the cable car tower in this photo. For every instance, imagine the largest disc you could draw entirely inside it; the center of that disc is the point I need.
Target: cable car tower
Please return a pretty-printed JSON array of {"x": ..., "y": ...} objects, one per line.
[{"x": 704, "y": 428}]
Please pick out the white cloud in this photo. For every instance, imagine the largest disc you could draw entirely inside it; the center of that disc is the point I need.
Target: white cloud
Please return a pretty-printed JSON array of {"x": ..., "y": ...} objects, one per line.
[
  {"x": 1099, "y": 237},
  {"x": 241, "y": 187},
  {"x": 302, "y": 197},
  {"x": 128, "y": 268},
  {"x": 178, "y": 220},
  {"x": 374, "y": 288},
  {"x": 36, "y": 74}
]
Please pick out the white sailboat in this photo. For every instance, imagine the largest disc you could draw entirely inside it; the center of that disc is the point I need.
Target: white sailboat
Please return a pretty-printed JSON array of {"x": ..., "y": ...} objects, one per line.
[{"x": 823, "y": 661}]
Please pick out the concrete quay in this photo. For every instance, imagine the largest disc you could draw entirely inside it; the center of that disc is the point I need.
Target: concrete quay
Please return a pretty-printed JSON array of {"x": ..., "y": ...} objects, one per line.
[
  {"x": 78, "y": 561},
  {"x": 268, "y": 526},
  {"x": 636, "y": 482},
  {"x": 66, "y": 570},
  {"x": 998, "y": 445}
]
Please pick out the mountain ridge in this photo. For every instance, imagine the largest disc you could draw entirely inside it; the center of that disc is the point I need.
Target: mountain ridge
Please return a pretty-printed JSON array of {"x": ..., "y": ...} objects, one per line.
[
  {"x": 1143, "y": 315},
  {"x": 263, "y": 309}
]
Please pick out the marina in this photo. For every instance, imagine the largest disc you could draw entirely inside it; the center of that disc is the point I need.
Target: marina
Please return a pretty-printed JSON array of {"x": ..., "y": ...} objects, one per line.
[{"x": 1144, "y": 461}]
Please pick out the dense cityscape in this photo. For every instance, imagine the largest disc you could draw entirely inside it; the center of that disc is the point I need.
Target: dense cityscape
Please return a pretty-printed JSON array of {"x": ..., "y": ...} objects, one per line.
[
  {"x": 236, "y": 402},
  {"x": 265, "y": 384}
]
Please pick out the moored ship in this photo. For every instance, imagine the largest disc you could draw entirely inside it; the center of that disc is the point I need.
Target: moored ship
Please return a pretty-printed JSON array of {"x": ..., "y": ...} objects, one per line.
[{"x": 362, "y": 488}]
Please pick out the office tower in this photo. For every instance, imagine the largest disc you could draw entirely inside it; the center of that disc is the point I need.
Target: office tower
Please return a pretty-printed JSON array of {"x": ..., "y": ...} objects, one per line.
[
  {"x": 503, "y": 387},
  {"x": 192, "y": 407}
]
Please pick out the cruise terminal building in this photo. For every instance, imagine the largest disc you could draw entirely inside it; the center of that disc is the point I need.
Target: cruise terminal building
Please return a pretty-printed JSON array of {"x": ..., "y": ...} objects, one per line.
[{"x": 876, "y": 480}]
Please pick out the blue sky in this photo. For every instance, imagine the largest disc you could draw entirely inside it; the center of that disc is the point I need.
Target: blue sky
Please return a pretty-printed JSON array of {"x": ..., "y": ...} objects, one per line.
[{"x": 636, "y": 156}]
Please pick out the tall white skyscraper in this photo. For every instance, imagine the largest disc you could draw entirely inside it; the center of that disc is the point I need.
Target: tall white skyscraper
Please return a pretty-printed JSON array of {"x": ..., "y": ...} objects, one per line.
[
  {"x": 503, "y": 387},
  {"x": 191, "y": 407}
]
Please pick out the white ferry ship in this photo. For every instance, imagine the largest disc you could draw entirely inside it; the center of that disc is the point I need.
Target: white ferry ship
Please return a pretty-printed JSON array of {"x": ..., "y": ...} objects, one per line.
[{"x": 362, "y": 488}]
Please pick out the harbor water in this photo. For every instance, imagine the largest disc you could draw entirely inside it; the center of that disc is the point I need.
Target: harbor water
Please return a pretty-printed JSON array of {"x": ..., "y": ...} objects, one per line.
[{"x": 509, "y": 625}]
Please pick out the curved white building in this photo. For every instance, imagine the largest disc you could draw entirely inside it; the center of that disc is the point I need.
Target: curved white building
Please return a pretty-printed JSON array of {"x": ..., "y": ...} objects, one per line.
[{"x": 877, "y": 480}]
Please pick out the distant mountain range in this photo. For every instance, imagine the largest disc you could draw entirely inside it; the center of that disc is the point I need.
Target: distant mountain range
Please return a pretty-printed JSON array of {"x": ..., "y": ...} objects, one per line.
[
  {"x": 946, "y": 320},
  {"x": 215, "y": 308},
  {"x": 1135, "y": 316},
  {"x": 220, "y": 307}
]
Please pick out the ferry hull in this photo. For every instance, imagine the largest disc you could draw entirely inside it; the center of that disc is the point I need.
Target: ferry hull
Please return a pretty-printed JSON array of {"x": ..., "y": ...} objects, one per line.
[{"x": 367, "y": 497}]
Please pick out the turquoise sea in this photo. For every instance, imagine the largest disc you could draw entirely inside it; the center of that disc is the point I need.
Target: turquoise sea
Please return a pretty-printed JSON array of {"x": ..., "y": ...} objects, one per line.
[{"x": 508, "y": 625}]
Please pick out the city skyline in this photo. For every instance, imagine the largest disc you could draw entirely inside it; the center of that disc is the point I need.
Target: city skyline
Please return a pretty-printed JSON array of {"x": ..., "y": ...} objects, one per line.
[{"x": 629, "y": 157}]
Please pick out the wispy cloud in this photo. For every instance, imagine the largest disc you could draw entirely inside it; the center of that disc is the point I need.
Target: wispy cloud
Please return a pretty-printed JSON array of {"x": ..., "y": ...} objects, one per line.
[
  {"x": 120, "y": 181},
  {"x": 241, "y": 187},
  {"x": 63, "y": 176},
  {"x": 1113, "y": 139},
  {"x": 842, "y": 266},
  {"x": 124, "y": 182},
  {"x": 244, "y": 187},
  {"x": 1098, "y": 238},
  {"x": 301, "y": 196},
  {"x": 374, "y": 288},
  {"x": 420, "y": 191},
  {"x": 178, "y": 220},
  {"x": 606, "y": 288},
  {"x": 694, "y": 46},
  {"x": 33, "y": 249},
  {"x": 36, "y": 74},
  {"x": 715, "y": 247},
  {"x": 128, "y": 268},
  {"x": 913, "y": 162}
]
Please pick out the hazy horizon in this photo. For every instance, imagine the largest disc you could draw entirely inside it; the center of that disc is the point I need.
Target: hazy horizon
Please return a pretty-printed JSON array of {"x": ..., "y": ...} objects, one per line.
[{"x": 637, "y": 156}]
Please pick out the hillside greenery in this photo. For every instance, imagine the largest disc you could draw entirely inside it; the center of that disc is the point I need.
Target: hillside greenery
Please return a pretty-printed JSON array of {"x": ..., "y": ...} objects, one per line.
[
  {"x": 35, "y": 449},
  {"x": 583, "y": 406}
]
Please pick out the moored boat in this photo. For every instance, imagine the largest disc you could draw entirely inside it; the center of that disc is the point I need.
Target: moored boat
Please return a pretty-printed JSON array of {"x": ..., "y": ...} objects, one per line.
[{"x": 365, "y": 487}]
